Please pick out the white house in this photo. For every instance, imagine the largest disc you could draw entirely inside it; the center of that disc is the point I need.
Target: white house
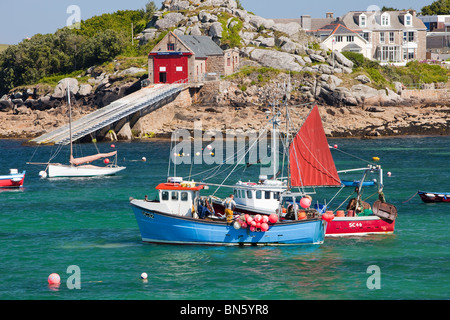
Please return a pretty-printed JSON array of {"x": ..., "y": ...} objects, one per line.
[{"x": 343, "y": 39}]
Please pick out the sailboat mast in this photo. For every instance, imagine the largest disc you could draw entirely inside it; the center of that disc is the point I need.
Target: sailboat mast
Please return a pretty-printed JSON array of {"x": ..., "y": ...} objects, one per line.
[
  {"x": 70, "y": 121},
  {"x": 287, "y": 144},
  {"x": 274, "y": 143}
]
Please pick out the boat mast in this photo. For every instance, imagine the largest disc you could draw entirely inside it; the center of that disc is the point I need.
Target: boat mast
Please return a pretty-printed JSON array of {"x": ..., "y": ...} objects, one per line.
[
  {"x": 70, "y": 122},
  {"x": 287, "y": 143},
  {"x": 274, "y": 144}
]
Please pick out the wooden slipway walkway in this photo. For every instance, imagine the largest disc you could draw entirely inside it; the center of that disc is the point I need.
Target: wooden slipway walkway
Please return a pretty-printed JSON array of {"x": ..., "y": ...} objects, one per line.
[{"x": 145, "y": 98}]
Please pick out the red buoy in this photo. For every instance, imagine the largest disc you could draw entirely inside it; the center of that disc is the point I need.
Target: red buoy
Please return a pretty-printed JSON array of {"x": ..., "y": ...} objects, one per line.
[{"x": 273, "y": 218}]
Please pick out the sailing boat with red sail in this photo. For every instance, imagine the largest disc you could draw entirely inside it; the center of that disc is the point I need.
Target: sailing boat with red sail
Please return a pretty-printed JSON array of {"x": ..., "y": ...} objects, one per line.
[{"x": 311, "y": 165}]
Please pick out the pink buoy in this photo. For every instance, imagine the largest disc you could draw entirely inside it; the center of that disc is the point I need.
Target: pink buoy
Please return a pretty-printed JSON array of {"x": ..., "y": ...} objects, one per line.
[
  {"x": 252, "y": 229},
  {"x": 253, "y": 223},
  {"x": 273, "y": 218},
  {"x": 244, "y": 225},
  {"x": 265, "y": 219},
  {"x": 258, "y": 218},
  {"x": 305, "y": 203},
  {"x": 54, "y": 279},
  {"x": 106, "y": 161},
  {"x": 113, "y": 146},
  {"x": 258, "y": 225},
  {"x": 264, "y": 227},
  {"x": 249, "y": 219},
  {"x": 335, "y": 146}
]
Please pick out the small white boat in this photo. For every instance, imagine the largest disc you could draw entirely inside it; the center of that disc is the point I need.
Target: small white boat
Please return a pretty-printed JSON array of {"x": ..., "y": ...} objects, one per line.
[{"x": 81, "y": 167}]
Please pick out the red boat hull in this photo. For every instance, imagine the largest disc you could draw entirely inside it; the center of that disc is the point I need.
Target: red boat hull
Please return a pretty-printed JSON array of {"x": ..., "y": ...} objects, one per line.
[
  {"x": 429, "y": 197},
  {"x": 358, "y": 226},
  {"x": 10, "y": 183}
]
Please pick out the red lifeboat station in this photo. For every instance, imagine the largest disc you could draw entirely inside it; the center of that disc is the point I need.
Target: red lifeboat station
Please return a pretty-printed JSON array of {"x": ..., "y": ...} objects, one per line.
[{"x": 189, "y": 59}]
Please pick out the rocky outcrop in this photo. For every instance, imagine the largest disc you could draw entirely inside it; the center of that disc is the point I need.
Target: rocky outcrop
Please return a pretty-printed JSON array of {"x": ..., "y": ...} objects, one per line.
[
  {"x": 202, "y": 18},
  {"x": 351, "y": 106}
]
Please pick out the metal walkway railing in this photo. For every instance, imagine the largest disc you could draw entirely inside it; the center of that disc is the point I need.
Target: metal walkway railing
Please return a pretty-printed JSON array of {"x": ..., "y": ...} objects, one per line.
[{"x": 112, "y": 113}]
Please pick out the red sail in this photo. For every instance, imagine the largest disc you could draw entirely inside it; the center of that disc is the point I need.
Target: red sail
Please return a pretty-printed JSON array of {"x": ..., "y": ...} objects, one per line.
[{"x": 311, "y": 163}]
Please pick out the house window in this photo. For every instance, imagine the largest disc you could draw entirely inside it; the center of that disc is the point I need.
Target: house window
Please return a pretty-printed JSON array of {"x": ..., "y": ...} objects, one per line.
[
  {"x": 228, "y": 62},
  {"x": 385, "y": 19},
  {"x": 381, "y": 37},
  {"x": 390, "y": 53},
  {"x": 350, "y": 38},
  {"x": 408, "y": 20},
  {"x": 410, "y": 54},
  {"x": 171, "y": 47},
  {"x": 362, "y": 20},
  {"x": 391, "y": 37},
  {"x": 338, "y": 38},
  {"x": 411, "y": 36},
  {"x": 366, "y": 36}
]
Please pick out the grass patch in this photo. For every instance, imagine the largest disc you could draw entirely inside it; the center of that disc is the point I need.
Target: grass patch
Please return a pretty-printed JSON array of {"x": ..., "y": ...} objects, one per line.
[
  {"x": 414, "y": 73},
  {"x": 53, "y": 80},
  {"x": 3, "y": 47}
]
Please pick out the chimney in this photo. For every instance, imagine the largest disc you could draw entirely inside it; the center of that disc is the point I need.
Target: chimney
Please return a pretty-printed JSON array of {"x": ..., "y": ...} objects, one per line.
[
  {"x": 305, "y": 22},
  {"x": 329, "y": 15}
]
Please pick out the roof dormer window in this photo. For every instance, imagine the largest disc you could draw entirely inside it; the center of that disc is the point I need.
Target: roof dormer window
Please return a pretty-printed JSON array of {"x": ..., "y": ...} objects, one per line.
[
  {"x": 408, "y": 20},
  {"x": 362, "y": 20},
  {"x": 385, "y": 19}
]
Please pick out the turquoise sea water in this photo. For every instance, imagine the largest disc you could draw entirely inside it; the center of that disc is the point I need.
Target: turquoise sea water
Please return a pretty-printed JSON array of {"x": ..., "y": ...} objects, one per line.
[{"x": 53, "y": 224}]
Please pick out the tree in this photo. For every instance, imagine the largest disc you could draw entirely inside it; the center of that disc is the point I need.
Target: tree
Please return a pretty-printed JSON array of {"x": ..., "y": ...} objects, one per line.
[
  {"x": 437, "y": 7},
  {"x": 388, "y": 9},
  {"x": 150, "y": 9}
]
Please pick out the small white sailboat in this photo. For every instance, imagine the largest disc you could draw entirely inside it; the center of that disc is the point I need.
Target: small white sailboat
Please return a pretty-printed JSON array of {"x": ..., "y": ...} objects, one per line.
[{"x": 81, "y": 167}]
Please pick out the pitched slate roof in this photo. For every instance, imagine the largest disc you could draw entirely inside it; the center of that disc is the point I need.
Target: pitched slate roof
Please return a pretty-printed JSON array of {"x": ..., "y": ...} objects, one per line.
[
  {"x": 351, "y": 20},
  {"x": 202, "y": 46}
]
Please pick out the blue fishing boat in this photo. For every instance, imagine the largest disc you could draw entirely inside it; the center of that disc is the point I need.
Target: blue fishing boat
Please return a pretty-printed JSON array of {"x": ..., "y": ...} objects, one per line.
[{"x": 182, "y": 216}]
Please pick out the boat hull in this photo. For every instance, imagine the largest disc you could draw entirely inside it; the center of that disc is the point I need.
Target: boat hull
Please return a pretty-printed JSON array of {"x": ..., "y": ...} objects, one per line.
[
  {"x": 12, "y": 180},
  {"x": 433, "y": 197},
  {"x": 359, "y": 226},
  {"x": 66, "y": 171},
  {"x": 158, "y": 227}
]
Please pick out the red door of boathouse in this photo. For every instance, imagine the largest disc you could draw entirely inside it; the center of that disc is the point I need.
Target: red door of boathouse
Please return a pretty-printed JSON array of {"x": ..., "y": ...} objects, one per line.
[{"x": 170, "y": 67}]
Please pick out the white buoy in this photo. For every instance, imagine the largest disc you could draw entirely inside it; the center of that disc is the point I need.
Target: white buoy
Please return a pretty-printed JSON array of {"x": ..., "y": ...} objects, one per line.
[
  {"x": 43, "y": 174},
  {"x": 144, "y": 276},
  {"x": 144, "y": 159},
  {"x": 389, "y": 174}
]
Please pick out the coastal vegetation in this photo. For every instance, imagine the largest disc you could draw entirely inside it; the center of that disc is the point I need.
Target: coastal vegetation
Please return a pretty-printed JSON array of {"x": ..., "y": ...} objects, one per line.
[
  {"x": 107, "y": 43},
  {"x": 413, "y": 74},
  {"x": 45, "y": 58}
]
